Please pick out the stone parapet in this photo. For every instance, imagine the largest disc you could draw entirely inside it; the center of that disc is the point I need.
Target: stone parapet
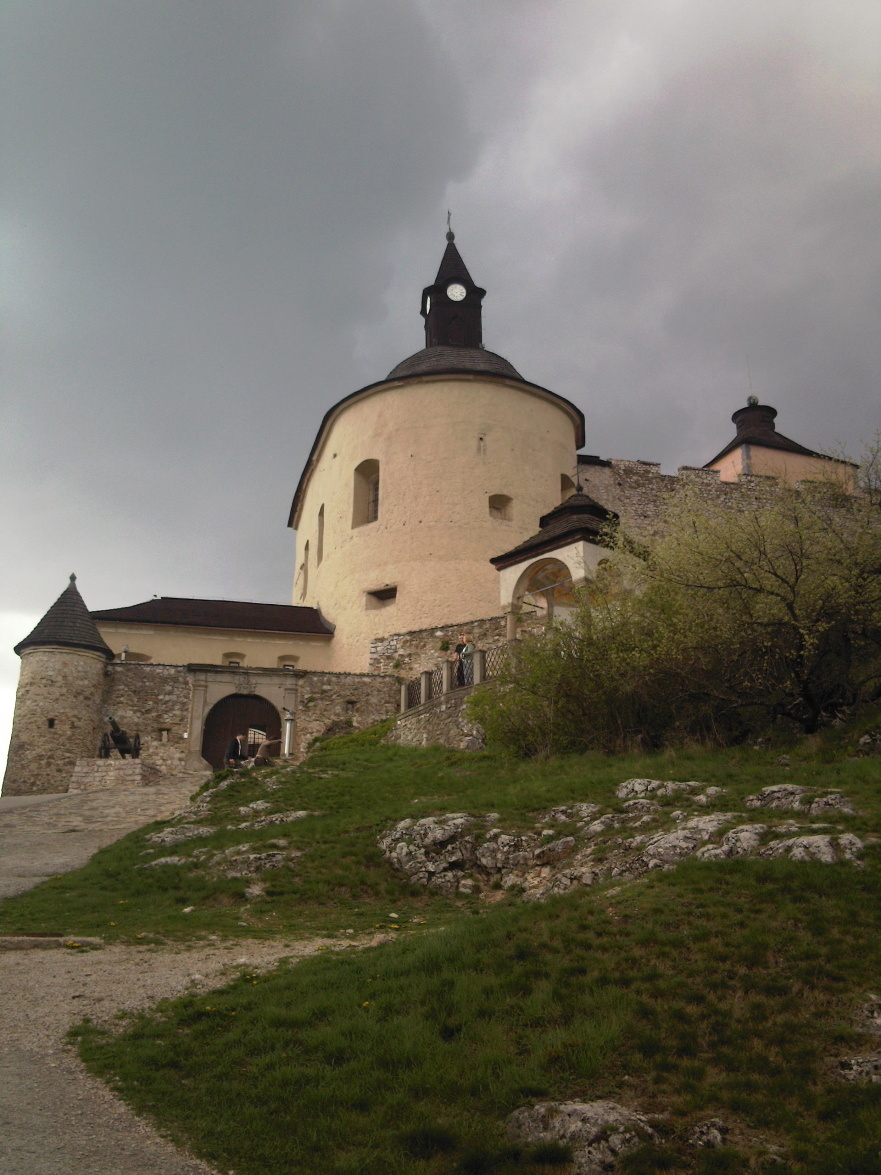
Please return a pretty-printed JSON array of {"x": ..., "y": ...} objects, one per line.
[
  {"x": 95, "y": 774},
  {"x": 408, "y": 654},
  {"x": 440, "y": 722},
  {"x": 338, "y": 703}
]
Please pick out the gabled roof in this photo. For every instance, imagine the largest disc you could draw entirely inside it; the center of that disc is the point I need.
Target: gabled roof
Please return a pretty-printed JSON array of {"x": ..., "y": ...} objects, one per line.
[
  {"x": 67, "y": 625},
  {"x": 755, "y": 426},
  {"x": 242, "y": 614},
  {"x": 452, "y": 361},
  {"x": 579, "y": 517}
]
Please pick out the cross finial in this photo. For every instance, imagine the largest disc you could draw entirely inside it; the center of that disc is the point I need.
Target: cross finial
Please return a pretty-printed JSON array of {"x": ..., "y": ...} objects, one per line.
[{"x": 451, "y": 236}]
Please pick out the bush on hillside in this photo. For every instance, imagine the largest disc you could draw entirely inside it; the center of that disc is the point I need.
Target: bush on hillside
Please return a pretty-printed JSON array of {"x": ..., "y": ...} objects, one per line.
[{"x": 732, "y": 622}]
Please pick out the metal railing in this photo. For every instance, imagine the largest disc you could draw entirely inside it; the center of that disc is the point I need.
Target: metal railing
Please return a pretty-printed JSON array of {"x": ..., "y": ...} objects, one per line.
[{"x": 484, "y": 665}]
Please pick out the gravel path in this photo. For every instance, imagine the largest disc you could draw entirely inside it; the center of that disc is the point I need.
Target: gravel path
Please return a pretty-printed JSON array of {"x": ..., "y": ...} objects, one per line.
[
  {"x": 55, "y": 1119},
  {"x": 44, "y": 835}
]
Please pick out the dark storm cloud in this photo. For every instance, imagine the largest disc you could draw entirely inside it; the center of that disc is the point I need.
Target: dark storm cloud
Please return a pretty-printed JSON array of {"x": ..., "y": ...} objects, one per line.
[{"x": 219, "y": 217}]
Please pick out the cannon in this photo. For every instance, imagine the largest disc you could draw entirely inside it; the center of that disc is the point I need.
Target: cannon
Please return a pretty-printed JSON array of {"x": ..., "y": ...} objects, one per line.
[{"x": 118, "y": 740}]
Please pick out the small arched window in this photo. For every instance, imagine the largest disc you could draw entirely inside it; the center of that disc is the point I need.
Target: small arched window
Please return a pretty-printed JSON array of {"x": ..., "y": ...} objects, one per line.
[
  {"x": 567, "y": 487},
  {"x": 365, "y": 493},
  {"x": 500, "y": 506},
  {"x": 319, "y": 541}
]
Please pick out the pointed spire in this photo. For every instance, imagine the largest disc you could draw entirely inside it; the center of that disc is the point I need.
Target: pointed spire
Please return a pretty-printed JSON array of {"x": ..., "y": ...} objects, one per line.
[
  {"x": 67, "y": 624},
  {"x": 451, "y": 306}
]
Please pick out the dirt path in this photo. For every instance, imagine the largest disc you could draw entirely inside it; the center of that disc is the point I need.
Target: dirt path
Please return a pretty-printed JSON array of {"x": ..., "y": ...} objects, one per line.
[
  {"x": 44, "y": 835},
  {"x": 55, "y": 1119}
]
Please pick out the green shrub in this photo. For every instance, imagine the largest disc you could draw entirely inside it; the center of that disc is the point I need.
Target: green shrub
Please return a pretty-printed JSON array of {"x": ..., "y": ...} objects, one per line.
[{"x": 732, "y": 623}]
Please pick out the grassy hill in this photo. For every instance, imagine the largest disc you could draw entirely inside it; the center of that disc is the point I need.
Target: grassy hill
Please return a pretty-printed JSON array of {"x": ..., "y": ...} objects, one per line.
[{"x": 719, "y": 988}]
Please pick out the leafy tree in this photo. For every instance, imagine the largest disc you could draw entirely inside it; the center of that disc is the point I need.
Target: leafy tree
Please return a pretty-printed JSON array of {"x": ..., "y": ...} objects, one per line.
[{"x": 735, "y": 619}]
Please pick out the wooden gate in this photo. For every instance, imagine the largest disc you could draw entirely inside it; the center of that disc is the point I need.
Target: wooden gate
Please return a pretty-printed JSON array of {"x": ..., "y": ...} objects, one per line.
[{"x": 238, "y": 714}]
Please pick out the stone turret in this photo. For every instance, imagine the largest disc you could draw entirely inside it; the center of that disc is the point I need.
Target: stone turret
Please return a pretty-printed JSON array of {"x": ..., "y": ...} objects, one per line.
[{"x": 58, "y": 716}]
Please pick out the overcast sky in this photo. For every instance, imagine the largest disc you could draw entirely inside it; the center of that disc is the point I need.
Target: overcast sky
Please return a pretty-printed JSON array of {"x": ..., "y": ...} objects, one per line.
[{"x": 218, "y": 218}]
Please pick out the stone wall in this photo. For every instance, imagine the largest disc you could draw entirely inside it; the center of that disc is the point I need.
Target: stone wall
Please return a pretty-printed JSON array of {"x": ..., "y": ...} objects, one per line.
[
  {"x": 150, "y": 699},
  {"x": 97, "y": 774},
  {"x": 407, "y": 654},
  {"x": 640, "y": 493},
  {"x": 57, "y": 719},
  {"x": 334, "y": 703},
  {"x": 440, "y": 722}
]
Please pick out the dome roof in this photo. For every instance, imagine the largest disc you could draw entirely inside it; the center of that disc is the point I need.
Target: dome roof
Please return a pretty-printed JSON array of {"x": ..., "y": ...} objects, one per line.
[{"x": 452, "y": 360}]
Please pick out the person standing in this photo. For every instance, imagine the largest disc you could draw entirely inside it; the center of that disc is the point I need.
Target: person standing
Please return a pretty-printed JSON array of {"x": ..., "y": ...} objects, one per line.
[
  {"x": 465, "y": 651},
  {"x": 237, "y": 750}
]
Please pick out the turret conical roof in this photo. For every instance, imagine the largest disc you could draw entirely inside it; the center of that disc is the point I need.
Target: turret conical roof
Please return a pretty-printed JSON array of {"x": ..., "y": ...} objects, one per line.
[{"x": 67, "y": 624}]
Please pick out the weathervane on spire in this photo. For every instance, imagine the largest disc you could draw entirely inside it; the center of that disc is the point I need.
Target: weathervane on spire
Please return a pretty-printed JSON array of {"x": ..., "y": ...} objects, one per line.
[{"x": 451, "y": 236}]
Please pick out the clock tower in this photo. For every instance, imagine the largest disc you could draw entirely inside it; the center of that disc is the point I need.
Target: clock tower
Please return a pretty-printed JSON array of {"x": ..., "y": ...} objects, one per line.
[{"x": 451, "y": 307}]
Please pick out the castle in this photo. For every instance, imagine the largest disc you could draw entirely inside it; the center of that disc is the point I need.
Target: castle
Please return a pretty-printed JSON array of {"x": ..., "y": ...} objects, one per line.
[{"x": 450, "y": 496}]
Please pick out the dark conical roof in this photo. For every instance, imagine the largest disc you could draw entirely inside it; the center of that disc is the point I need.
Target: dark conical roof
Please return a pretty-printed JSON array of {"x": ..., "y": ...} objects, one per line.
[
  {"x": 452, "y": 266},
  {"x": 67, "y": 624}
]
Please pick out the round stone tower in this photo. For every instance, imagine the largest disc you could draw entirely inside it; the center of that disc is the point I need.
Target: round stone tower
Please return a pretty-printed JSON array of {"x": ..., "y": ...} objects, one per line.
[
  {"x": 416, "y": 481},
  {"x": 58, "y": 717}
]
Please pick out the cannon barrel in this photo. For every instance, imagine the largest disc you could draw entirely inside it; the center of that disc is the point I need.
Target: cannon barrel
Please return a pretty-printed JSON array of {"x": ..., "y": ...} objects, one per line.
[{"x": 114, "y": 725}]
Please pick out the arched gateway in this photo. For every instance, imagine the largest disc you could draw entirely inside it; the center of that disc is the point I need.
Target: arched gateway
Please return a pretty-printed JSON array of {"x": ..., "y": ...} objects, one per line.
[{"x": 238, "y": 714}]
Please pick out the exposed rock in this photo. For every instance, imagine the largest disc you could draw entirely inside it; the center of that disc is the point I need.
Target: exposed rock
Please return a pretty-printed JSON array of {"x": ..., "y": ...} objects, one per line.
[
  {"x": 709, "y": 1134},
  {"x": 598, "y": 1132},
  {"x": 175, "y": 836},
  {"x": 870, "y": 1016},
  {"x": 256, "y": 806},
  {"x": 780, "y": 797},
  {"x": 707, "y": 797},
  {"x": 861, "y": 1069},
  {"x": 739, "y": 842},
  {"x": 458, "y": 853},
  {"x": 634, "y": 788},
  {"x": 834, "y": 802},
  {"x": 239, "y": 861},
  {"x": 277, "y": 818},
  {"x": 165, "y": 861},
  {"x": 564, "y": 814},
  {"x": 827, "y": 849},
  {"x": 555, "y": 851}
]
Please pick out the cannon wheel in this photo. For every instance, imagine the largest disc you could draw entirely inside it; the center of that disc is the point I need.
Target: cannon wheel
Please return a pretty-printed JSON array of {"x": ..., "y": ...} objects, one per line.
[
  {"x": 136, "y": 747},
  {"x": 104, "y": 749}
]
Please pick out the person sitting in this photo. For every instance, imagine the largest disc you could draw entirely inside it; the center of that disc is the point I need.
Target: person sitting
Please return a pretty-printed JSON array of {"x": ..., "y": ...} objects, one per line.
[
  {"x": 262, "y": 759},
  {"x": 237, "y": 750}
]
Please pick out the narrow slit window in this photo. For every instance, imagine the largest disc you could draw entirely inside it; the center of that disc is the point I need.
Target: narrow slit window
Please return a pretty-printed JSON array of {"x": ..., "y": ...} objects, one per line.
[
  {"x": 319, "y": 542},
  {"x": 365, "y": 493}
]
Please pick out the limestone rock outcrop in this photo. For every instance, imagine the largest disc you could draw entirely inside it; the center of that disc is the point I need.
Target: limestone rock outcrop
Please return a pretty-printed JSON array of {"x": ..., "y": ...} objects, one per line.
[
  {"x": 599, "y": 1133},
  {"x": 464, "y": 853}
]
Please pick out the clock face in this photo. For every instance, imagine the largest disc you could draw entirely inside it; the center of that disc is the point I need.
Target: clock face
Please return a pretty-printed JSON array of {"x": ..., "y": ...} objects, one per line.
[{"x": 456, "y": 292}]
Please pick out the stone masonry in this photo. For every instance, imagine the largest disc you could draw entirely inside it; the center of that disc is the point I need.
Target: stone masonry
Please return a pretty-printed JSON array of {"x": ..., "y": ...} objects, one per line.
[
  {"x": 154, "y": 701},
  {"x": 333, "y": 703},
  {"x": 407, "y": 654},
  {"x": 57, "y": 718},
  {"x": 639, "y": 493},
  {"x": 441, "y": 722},
  {"x": 95, "y": 774}
]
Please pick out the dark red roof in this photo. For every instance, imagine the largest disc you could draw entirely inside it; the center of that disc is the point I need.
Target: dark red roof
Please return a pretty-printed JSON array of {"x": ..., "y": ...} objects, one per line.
[
  {"x": 221, "y": 614},
  {"x": 67, "y": 624},
  {"x": 579, "y": 517}
]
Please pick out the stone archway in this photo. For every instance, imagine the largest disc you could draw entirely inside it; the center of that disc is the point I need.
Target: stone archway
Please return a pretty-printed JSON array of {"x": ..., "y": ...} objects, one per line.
[
  {"x": 546, "y": 585},
  {"x": 235, "y": 714}
]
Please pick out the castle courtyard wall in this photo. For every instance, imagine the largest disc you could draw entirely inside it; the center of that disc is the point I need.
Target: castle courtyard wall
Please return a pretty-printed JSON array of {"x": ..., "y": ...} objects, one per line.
[
  {"x": 334, "y": 703},
  {"x": 154, "y": 701}
]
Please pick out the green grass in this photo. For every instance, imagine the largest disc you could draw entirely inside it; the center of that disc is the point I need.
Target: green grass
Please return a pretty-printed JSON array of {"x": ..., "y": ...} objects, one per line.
[
  {"x": 722, "y": 989},
  {"x": 707, "y": 991},
  {"x": 360, "y": 787}
]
